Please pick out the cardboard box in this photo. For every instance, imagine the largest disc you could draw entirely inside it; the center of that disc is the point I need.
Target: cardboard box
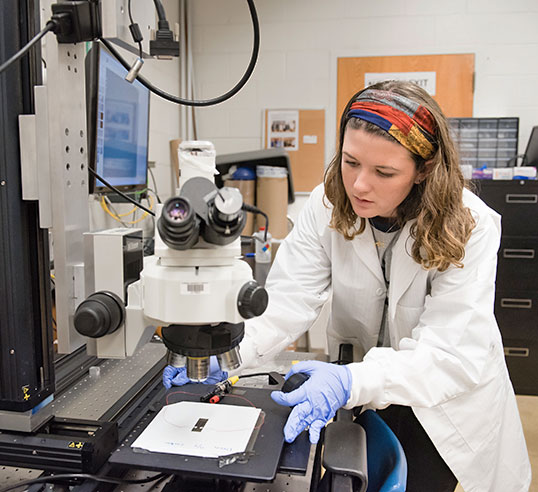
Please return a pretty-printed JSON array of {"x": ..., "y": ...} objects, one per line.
[{"x": 503, "y": 172}]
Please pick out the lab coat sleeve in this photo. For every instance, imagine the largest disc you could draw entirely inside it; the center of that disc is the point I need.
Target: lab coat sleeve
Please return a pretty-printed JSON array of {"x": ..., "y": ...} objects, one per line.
[
  {"x": 297, "y": 284},
  {"x": 450, "y": 347}
]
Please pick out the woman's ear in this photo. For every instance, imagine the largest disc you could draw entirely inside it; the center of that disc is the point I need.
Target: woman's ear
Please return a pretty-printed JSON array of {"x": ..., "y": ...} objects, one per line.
[{"x": 422, "y": 175}]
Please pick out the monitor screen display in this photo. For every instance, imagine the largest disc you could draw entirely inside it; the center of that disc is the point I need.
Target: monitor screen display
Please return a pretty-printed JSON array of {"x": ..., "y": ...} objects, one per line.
[{"x": 118, "y": 124}]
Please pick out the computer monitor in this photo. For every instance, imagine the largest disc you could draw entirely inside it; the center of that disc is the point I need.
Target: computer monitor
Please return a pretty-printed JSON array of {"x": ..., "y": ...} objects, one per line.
[
  {"x": 118, "y": 124},
  {"x": 531, "y": 153}
]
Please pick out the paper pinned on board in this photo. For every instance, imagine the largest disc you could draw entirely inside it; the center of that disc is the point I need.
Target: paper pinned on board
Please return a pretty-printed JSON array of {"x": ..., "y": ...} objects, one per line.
[{"x": 199, "y": 429}]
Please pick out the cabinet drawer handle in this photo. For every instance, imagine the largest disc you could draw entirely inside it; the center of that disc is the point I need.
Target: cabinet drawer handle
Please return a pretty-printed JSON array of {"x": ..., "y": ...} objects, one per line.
[
  {"x": 526, "y": 254},
  {"x": 516, "y": 303},
  {"x": 519, "y": 198},
  {"x": 516, "y": 352}
]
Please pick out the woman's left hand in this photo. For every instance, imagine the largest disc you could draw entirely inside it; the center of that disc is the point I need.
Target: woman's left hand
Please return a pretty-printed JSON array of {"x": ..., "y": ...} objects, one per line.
[
  {"x": 316, "y": 401},
  {"x": 177, "y": 376}
]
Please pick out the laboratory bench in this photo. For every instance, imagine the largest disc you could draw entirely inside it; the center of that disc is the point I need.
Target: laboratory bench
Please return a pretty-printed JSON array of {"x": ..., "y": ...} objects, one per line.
[{"x": 105, "y": 391}]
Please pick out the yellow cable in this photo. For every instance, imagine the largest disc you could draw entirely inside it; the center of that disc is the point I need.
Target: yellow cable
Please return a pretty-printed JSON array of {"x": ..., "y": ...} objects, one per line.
[
  {"x": 134, "y": 209},
  {"x": 145, "y": 213},
  {"x": 104, "y": 206}
]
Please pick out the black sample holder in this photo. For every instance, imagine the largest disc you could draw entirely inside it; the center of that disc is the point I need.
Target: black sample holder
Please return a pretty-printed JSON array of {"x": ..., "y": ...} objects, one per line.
[{"x": 262, "y": 466}]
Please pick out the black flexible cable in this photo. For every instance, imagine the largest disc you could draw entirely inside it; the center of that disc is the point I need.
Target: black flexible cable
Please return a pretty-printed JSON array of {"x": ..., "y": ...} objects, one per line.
[
  {"x": 255, "y": 210},
  {"x": 255, "y": 374},
  {"x": 266, "y": 225},
  {"x": 85, "y": 476},
  {"x": 160, "y": 10},
  {"x": 114, "y": 189},
  {"x": 154, "y": 185},
  {"x": 207, "y": 102},
  {"x": 133, "y": 23},
  {"x": 50, "y": 26}
]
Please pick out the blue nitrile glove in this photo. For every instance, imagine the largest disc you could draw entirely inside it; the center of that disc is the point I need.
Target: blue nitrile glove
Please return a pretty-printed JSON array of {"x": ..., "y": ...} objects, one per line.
[
  {"x": 316, "y": 400},
  {"x": 177, "y": 376}
]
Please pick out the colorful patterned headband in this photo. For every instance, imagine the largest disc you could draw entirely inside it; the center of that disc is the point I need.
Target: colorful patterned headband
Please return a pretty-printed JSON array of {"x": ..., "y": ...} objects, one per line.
[{"x": 405, "y": 120}]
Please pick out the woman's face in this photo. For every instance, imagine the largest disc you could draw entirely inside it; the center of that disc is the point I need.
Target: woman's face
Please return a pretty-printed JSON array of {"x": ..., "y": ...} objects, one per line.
[{"x": 378, "y": 174}]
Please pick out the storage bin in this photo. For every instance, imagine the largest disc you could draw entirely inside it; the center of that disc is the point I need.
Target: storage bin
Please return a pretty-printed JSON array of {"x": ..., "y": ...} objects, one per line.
[
  {"x": 487, "y": 153},
  {"x": 468, "y": 144},
  {"x": 488, "y": 123},
  {"x": 508, "y": 143},
  {"x": 471, "y": 134},
  {"x": 469, "y": 153},
  {"x": 507, "y": 133},
  {"x": 487, "y": 134},
  {"x": 489, "y": 143},
  {"x": 505, "y": 153},
  {"x": 505, "y": 123},
  {"x": 467, "y": 123}
]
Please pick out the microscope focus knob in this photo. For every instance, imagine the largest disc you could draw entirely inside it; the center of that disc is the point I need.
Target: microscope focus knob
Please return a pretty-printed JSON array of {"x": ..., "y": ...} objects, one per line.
[
  {"x": 252, "y": 300},
  {"x": 100, "y": 314}
]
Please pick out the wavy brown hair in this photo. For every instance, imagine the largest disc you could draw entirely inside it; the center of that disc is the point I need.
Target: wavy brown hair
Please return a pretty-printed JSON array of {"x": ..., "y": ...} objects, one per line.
[{"x": 443, "y": 224}]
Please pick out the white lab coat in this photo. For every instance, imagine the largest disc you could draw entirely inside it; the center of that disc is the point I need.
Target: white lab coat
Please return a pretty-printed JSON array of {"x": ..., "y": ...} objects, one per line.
[{"x": 446, "y": 357}]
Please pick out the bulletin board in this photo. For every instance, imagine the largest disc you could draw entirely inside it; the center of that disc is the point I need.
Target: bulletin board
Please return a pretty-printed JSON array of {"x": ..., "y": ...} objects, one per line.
[
  {"x": 307, "y": 151},
  {"x": 454, "y": 75}
]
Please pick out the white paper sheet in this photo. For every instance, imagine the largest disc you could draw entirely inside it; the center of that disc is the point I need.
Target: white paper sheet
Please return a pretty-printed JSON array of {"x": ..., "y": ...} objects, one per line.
[{"x": 199, "y": 429}]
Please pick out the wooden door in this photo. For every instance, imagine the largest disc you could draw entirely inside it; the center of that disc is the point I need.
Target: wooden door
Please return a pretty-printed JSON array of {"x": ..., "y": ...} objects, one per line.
[{"x": 454, "y": 78}]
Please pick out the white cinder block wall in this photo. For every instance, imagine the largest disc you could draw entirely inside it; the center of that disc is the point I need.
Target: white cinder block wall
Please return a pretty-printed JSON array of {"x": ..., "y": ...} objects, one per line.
[{"x": 302, "y": 39}]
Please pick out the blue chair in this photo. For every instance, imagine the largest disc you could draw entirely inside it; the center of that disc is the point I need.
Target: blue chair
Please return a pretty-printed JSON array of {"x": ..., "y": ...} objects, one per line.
[
  {"x": 387, "y": 466},
  {"x": 359, "y": 458},
  {"x": 362, "y": 456}
]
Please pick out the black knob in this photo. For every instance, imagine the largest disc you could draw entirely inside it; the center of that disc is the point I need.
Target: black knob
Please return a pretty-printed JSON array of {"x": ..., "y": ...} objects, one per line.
[
  {"x": 100, "y": 314},
  {"x": 252, "y": 300}
]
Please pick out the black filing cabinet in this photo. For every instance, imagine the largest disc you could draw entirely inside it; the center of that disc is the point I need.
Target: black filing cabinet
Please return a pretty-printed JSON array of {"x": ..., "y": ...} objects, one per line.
[{"x": 516, "y": 295}]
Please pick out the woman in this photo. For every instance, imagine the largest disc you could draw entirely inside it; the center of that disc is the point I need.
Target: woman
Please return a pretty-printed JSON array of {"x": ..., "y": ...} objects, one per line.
[{"x": 407, "y": 257}]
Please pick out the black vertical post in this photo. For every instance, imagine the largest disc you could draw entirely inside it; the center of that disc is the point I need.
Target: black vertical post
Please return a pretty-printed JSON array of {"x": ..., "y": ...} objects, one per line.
[{"x": 26, "y": 353}]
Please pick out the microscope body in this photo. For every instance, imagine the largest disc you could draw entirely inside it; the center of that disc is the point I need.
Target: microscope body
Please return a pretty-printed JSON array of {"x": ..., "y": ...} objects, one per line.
[{"x": 195, "y": 286}]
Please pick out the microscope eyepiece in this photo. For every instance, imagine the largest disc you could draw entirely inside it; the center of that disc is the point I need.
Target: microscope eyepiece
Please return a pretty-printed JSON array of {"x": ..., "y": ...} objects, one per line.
[
  {"x": 178, "y": 210},
  {"x": 178, "y": 225}
]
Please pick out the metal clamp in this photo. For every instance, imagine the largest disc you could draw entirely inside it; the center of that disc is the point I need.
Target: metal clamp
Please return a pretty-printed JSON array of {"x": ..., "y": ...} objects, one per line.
[{"x": 228, "y": 459}]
